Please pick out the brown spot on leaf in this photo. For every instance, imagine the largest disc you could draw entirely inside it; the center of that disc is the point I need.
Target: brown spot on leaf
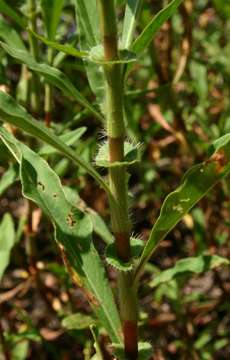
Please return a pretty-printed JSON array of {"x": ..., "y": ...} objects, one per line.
[
  {"x": 70, "y": 220},
  {"x": 41, "y": 186}
]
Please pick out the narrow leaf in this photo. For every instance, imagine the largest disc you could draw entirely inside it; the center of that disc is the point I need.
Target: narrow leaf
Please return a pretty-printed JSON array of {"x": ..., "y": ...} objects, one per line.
[
  {"x": 77, "y": 321},
  {"x": 51, "y": 11},
  {"x": 18, "y": 17},
  {"x": 16, "y": 115},
  {"x": 131, "y": 12},
  {"x": 73, "y": 232},
  {"x": 144, "y": 39},
  {"x": 8, "y": 178},
  {"x": 52, "y": 75},
  {"x": 195, "y": 265},
  {"x": 195, "y": 184},
  {"x": 88, "y": 31},
  {"x": 69, "y": 139},
  {"x": 100, "y": 227},
  {"x": 65, "y": 48},
  {"x": 88, "y": 22},
  {"x": 10, "y": 35},
  {"x": 7, "y": 238}
]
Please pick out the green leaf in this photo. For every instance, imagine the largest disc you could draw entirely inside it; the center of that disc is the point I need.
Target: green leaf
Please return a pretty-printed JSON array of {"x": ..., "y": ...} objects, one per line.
[
  {"x": 113, "y": 260},
  {"x": 195, "y": 265},
  {"x": 96, "y": 55},
  {"x": 69, "y": 139},
  {"x": 144, "y": 39},
  {"x": 16, "y": 115},
  {"x": 7, "y": 239},
  {"x": 97, "y": 345},
  {"x": 19, "y": 350},
  {"x": 223, "y": 7},
  {"x": 99, "y": 226},
  {"x": 73, "y": 232},
  {"x": 131, "y": 13},
  {"x": 51, "y": 12},
  {"x": 195, "y": 184},
  {"x": 65, "y": 48},
  {"x": 18, "y": 17},
  {"x": 144, "y": 351},
  {"x": 130, "y": 156},
  {"x": 88, "y": 22},
  {"x": 52, "y": 75},
  {"x": 10, "y": 36},
  {"x": 88, "y": 28},
  {"x": 77, "y": 321},
  {"x": 8, "y": 178}
]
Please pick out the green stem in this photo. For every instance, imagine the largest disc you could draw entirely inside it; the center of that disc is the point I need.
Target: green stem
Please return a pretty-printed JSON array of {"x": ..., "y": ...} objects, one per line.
[
  {"x": 114, "y": 109},
  {"x": 34, "y": 97}
]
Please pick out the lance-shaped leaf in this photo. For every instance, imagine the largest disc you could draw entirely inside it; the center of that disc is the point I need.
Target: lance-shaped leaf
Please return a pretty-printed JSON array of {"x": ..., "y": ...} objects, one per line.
[
  {"x": 65, "y": 48},
  {"x": 88, "y": 21},
  {"x": 51, "y": 12},
  {"x": 52, "y": 75},
  {"x": 88, "y": 30},
  {"x": 73, "y": 232},
  {"x": 7, "y": 240},
  {"x": 131, "y": 13},
  {"x": 195, "y": 184},
  {"x": 196, "y": 265},
  {"x": 146, "y": 36},
  {"x": 8, "y": 10},
  {"x": 69, "y": 139},
  {"x": 16, "y": 115},
  {"x": 8, "y": 178},
  {"x": 10, "y": 35}
]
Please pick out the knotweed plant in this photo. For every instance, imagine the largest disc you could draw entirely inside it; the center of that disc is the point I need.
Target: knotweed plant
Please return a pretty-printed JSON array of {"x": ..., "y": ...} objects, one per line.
[{"x": 107, "y": 58}]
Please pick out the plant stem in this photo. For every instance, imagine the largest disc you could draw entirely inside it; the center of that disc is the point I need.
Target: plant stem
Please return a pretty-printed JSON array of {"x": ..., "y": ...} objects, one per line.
[
  {"x": 34, "y": 97},
  {"x": 117, "y": 175}
]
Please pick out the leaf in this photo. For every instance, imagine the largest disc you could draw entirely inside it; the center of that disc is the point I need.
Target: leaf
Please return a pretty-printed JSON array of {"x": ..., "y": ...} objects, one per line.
[
  {"x": 7, "y": 238},
  {"x": 52, "y": 75},
  {"x": 195, "y": 265},
  {"x": 10, "y": 36},
  {"x": 88, "y": 22},
  {"x": 144, "y": 39},
  {"x": 8, "y": 178},
  {"x": 15, "y": 114},
  {"x": 19, "y": 350},
  {"x": 114, "y": 261},
  {"x": 131, "y": 12},
  {"x": 65, "y": 48},
  {"x": 97, "y": 345},
  {"x": 144, "y": 351},
  {"x": 51, "y": 12},
  {"x": 99, "y": 226},
  {"x": 77, "y": 321},
  {"x": 88, "y": 29},
  {"x": 69, "y": 139},
  {"x": 130, "y": 156},
  {"x": 223, "y": 7},
  {"x": 73, "y": 232},
  {"x": 96, "y": 55},
  {"x": 18, "y": 17},
  {"x": 195, "y": 184}
]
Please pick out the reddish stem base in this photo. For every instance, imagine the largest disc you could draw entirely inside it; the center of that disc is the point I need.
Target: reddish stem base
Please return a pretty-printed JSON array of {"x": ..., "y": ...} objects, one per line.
[{"x": 130, "y": 340}]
